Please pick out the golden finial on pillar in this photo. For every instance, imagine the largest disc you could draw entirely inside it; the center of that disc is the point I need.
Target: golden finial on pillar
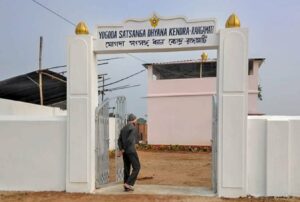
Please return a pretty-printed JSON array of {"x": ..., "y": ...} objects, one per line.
[
  {"x": 81, "y": 28},
  {"x": 233, "y": 21},
  {"x": 204, "y": 56}
]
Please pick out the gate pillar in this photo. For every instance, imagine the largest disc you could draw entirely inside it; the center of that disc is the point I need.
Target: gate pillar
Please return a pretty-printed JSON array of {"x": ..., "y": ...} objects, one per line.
[
  {"x": 82, "y": 100},
  {"x": 232, "y": 111}
]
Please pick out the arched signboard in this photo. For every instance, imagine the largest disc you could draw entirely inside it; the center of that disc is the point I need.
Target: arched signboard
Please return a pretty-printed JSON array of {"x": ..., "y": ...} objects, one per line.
[{"x": 156, "y": 34}]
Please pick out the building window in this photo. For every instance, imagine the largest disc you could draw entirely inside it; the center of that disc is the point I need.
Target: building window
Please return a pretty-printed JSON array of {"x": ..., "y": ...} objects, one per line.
[
  {"x": 176, "y": 71},
  {"x": 209, "y": 69},
  {"x": 189, "y": 70},
  {"x": 184, "y": 70}
]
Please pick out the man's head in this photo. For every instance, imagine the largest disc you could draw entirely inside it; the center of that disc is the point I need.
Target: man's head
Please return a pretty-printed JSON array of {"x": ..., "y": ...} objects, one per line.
[{"x": 131, "y": 118}]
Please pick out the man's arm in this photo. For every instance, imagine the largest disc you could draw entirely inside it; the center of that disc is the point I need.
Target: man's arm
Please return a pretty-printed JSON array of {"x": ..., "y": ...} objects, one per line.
[{"x": 120, "y": 143}]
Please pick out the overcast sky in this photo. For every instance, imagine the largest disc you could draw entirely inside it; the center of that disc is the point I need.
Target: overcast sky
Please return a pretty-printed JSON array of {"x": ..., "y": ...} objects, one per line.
[{"x": 274, "y": 27}]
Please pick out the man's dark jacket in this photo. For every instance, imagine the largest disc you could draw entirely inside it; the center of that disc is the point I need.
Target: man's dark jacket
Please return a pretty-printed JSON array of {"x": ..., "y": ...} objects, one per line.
[{"x": 128, "y": 138}]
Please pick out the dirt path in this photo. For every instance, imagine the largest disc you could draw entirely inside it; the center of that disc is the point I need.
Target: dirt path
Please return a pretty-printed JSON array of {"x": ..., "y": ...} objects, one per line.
[
  {"x": 173, "y": 168},
  {"x": 181, "y": 169}
]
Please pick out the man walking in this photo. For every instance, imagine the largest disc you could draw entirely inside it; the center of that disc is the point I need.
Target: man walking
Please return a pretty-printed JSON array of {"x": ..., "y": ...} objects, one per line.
[{"x": 126, "y": 142}]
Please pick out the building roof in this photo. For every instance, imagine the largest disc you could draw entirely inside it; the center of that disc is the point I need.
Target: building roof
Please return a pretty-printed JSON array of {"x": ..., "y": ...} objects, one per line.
[
  {"x": 261, "y": 60},
  {"x": 25, "y": 88}
]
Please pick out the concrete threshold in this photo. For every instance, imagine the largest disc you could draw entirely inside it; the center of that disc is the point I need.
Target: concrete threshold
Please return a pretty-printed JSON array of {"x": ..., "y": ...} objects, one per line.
[{"x": 117, "y": 189}]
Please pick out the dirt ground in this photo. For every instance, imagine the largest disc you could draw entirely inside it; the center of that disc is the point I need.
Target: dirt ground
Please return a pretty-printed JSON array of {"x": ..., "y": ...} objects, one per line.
[
  {"x": 67, "y": 197},
  {"x": 173, "y": 168},
  {"x": 163, "y": 168}
]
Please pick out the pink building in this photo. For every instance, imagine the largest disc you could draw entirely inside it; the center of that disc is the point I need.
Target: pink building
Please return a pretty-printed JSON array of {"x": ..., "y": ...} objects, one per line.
[{"x": 180, "y": 100}]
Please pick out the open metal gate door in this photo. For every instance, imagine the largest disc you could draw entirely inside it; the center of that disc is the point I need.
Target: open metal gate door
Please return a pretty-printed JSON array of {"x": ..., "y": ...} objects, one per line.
[
  {"x": 214, "y": 143},
  {"x": 102, "y": 144},
  {"x": 102, "y": 139},
  {"x": 120, "y": 116}
]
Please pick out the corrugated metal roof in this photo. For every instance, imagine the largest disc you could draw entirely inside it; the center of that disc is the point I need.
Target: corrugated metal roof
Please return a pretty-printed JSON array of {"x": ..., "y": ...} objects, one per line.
[{"x": 25, "y": 88}]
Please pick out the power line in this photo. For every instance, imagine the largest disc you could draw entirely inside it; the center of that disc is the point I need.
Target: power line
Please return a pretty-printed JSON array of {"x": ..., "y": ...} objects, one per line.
[
  {"x": 55, "y": 13},
  {"x": 55, "y": 67},
  {"x": 122, "y": 87},
  {"x": 103, "y": 63},
  {"x": 72, "y": 23},
  {"x": 123, "y": 78},
  {"x": 110, "y": 59},
  {"x": 118, "y": 88},
  {"x": 100, "y": 80},
  {"x": 137, "y": 58},
  {"x": 115, "y": 87},
  {"x": 61, "y": 66}
]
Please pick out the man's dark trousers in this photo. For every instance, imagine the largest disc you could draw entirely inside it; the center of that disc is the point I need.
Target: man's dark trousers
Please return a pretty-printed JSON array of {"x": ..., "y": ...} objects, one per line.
[{"x": 131, "y": 159}]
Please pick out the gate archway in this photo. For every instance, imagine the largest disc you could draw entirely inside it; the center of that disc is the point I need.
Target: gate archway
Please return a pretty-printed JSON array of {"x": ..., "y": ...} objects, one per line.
[{"x": 158, "y": 34}]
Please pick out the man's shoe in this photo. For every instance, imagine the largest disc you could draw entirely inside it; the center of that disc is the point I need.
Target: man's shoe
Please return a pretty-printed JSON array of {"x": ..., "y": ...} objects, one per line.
[
  {"x": 127, "y": 190},
  {"x": 128, "y": 187}
]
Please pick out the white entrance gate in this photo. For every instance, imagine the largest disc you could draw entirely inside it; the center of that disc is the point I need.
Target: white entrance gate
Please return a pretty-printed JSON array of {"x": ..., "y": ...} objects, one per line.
[{"x": 157, "y": 34}]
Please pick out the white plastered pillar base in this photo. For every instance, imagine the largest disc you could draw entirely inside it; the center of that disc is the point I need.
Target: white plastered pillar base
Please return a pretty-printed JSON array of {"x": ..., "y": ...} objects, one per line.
[
  {"x": 82, "y": 99},
  {"x": 232, "y": 111}
]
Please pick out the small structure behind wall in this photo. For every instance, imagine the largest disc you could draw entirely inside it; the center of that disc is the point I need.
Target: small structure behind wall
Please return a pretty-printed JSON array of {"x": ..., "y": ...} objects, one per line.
[{"x": 182, "y": 91}]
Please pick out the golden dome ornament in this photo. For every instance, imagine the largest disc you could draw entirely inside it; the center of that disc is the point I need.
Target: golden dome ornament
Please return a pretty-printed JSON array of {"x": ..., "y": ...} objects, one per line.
[
  {"x": 81, "y": 28},
  {"x": 204, "y": 56},
  {"x": 233, "y": 21},
  {"x": 154, "y": 21}
]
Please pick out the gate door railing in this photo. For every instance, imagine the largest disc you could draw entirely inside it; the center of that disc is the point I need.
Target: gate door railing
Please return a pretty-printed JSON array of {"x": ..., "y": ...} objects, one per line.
[
  {"x": 102, "y": 144},
  {"x": 120, "y": 116},
  {"x": 102, "y": 139}
]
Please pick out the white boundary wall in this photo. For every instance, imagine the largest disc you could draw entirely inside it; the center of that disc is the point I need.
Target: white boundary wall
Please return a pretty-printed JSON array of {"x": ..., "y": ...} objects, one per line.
[
  {"x": 33, "y": 153},
  {"x": 273, "y": 156},
  {"x": 11, "y": 107},
  {"x": 32, "y": 147}
]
